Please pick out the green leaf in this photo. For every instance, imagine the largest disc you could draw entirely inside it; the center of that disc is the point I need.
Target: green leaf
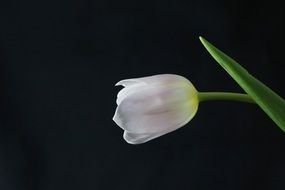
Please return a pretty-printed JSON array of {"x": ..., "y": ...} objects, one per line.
[{"x": 272, "y": 104}]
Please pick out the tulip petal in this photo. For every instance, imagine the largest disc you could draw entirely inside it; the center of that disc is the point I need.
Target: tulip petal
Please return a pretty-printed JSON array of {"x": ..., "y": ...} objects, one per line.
[
  {"x": 156, "y": 108},
  {"x": 162, "y": 79},
  {"x": 128, "y": 91},
  {"x": 126, "y": 82},
  {"x": 134, "y": 84},
  {"x": 157, "y": 79},
  {"x": 133, "y": 138}
]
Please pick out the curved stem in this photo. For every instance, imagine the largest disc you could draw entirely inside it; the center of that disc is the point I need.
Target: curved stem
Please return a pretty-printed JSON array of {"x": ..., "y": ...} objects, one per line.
[{"x": 206, "y": 96}]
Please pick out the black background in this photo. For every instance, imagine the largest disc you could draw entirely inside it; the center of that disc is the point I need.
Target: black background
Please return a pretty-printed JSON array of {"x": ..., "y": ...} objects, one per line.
[{"x": 59, "y": 61}]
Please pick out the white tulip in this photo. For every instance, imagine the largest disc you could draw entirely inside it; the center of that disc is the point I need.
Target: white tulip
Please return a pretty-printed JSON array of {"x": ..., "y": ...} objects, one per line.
[{"x": 152, "y": 106}]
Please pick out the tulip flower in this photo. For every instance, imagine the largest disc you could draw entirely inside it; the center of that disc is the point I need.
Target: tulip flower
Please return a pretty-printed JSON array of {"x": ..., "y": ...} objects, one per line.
[{"x": 152, "y": 106}]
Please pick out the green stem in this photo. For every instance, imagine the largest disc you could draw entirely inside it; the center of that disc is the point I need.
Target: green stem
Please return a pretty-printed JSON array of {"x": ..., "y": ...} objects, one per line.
[{"x": 206, "y": 96}]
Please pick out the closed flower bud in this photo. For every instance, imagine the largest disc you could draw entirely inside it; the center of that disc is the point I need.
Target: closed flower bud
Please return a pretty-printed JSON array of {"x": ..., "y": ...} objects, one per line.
[{"x": 152, "y": 106}]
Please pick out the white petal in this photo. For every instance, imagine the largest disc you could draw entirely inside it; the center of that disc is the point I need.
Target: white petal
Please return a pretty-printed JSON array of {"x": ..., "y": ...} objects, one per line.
[
  {"x": 133, "y": 138},
  {"x": 128, "y": 91},
  {"x": 126, "y": 82},
  {"x": 157, "y": 79},
  {"x": 156, "y": 108},
  {"x": 162, "y": 79},
  {"x": 135, "y": 84},
  {"x": 137, "y": 138}
]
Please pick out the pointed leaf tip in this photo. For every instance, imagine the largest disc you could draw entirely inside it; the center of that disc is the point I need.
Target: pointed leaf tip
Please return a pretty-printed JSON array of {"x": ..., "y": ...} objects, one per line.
[{"x": 201, "y": 39}]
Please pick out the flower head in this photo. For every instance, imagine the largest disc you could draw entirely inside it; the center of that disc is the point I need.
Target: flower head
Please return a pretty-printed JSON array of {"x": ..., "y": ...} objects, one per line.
[{"x": 152, "y": 106}]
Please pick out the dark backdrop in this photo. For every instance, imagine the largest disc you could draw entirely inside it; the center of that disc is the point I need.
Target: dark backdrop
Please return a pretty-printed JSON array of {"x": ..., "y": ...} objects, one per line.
[{"x": 59, "y": 61}]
